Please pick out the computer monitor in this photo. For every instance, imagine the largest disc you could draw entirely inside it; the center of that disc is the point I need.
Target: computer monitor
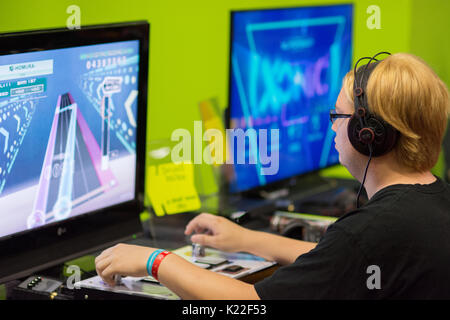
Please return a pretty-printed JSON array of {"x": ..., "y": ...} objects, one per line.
[
  {"x": 286, "y": 71},
  {"x": 72, "y": 142}
]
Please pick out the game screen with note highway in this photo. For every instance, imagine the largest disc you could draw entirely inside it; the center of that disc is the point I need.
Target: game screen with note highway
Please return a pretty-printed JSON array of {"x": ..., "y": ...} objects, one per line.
[
  {"x": 67, "y": 132},
  {"x": 287, "y": 67}
]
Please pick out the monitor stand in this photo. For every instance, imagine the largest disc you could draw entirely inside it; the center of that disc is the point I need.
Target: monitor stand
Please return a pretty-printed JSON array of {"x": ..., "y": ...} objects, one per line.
[
  {"x": 322, "y": 196},
  {"x": 300, "y": 187},
  {"x": 263, "y": 203},
  {"x": 311, "y": 194}
]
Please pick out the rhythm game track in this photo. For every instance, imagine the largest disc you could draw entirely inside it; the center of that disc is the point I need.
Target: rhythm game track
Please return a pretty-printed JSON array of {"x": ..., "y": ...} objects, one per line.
[{"x": 67, "y": 132}]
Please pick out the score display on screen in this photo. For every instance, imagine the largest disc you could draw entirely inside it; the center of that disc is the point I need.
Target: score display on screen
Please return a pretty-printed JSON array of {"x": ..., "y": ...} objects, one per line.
[
  {"x": 67, "y": 132},
  {"x": 287, "y": 67}
]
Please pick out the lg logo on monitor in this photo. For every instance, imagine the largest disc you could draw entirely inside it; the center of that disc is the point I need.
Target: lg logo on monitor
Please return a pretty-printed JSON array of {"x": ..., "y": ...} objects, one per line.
[{"x": 61, "y": 231}]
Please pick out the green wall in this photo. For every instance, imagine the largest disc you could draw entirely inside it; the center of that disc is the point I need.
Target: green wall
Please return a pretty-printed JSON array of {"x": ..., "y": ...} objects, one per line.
[
  {"x": 189, "y": 44},
  {"x": 429, "y": 34}
]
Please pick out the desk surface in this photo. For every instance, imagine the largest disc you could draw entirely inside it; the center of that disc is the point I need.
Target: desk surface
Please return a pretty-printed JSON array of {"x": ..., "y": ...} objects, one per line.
[{"x": 167, "y": 233}]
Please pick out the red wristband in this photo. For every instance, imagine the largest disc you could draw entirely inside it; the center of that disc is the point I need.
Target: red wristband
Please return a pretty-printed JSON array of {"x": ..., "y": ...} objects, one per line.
[{"x": 157, "y": 262}]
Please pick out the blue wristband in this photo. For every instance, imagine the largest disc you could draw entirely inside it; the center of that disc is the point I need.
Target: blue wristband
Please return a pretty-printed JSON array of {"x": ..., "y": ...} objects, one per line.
[{"x": 151, "y": 259}]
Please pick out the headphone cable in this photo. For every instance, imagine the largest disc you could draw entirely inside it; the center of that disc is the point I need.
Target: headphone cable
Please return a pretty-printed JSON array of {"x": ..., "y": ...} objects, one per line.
[{"x": 364, "y": 178}]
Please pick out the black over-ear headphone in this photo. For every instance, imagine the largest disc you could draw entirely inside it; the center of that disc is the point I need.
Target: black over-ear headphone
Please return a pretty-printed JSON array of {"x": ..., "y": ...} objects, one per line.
[{"x": 369, "y": 134}]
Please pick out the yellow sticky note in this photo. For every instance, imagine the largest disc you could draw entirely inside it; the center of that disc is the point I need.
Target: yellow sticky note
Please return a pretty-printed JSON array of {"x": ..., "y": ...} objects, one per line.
[{"x": 172, "y": 188}]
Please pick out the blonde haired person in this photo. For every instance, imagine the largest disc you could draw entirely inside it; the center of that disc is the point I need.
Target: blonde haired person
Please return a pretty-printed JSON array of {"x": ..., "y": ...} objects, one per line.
[{"x": 396, "y": 246}]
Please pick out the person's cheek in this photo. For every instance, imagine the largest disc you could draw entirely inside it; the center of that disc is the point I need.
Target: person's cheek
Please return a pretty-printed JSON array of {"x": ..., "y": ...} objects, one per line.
[
  {"x": 338, "y": 138},
  {"x": 342, "y": 142}
]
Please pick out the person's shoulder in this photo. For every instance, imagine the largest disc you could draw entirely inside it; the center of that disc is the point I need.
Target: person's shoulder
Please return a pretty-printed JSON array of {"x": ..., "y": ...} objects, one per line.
[
  {"x": 437, "y": 187},
  {"x": 397, "y": 205},
  {"x": 385, "y": 202}
]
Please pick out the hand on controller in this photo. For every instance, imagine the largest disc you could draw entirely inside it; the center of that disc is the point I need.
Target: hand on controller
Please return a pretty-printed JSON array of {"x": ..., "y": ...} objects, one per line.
[
  {"x": 124, "y": 260},
  {"x": 216, "y": 232}
]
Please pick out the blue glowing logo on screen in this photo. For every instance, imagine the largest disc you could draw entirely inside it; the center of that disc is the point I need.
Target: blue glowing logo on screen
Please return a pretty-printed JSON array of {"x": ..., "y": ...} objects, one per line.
[{"x": 287, "y": 67}]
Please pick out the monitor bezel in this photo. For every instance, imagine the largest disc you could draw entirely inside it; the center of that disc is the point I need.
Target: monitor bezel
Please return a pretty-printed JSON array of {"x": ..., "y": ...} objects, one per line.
[
  {"x": 289, "y": 182},
  {"x": 32, "y": 250}
]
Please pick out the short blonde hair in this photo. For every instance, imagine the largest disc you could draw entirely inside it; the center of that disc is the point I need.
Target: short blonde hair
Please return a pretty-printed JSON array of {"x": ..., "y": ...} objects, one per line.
[{"x": 405, "y": 92}]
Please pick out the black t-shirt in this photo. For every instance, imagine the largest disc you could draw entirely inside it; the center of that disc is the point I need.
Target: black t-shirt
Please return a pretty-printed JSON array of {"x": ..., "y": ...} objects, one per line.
[{"x": 397, "y": 246}]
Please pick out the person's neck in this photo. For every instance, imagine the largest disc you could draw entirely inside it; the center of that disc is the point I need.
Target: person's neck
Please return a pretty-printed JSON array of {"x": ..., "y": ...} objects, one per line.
[{"x": 383, "y": 174}]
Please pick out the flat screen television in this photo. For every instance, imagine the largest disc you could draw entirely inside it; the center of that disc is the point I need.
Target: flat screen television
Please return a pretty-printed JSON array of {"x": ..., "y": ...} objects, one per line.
[
  {"x": 286, "y": 71},
  {"x": 73, "y": 107}
]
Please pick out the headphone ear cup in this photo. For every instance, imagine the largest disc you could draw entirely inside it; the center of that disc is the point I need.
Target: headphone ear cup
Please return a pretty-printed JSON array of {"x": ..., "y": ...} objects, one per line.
[
  {"x": 386, "y": 141},
  {"x": 384, "y": 136},
  {"x": 366, "y": 135},
  {"x": 353, "y": 130},
  {"x": 379, "y": 131}
]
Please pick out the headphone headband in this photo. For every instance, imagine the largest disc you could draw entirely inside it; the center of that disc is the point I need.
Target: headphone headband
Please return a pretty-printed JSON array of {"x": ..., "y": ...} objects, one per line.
[
  {"x": 364, "y": 74},
  {"x": 370, "y": 135}
]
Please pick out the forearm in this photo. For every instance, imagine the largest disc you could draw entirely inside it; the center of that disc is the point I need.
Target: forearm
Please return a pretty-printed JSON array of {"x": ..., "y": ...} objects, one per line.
[
  {"x": 276, "y": 248},
  {"x": 189, "y": 281}
]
